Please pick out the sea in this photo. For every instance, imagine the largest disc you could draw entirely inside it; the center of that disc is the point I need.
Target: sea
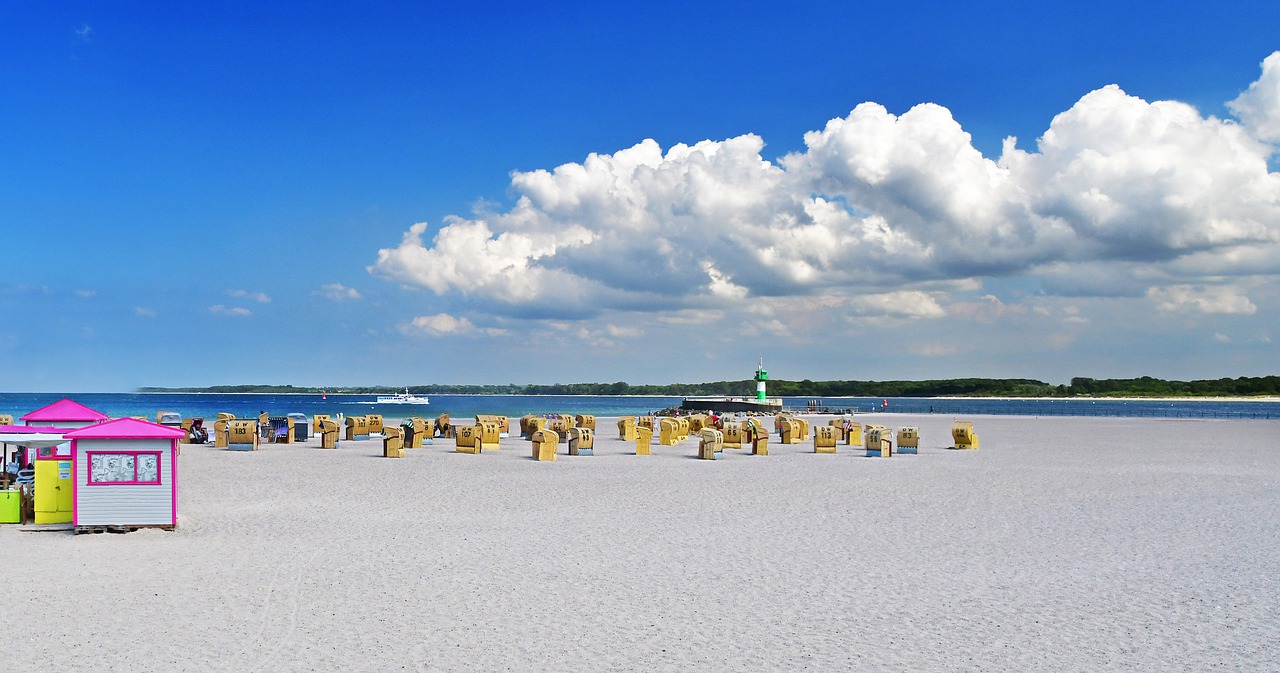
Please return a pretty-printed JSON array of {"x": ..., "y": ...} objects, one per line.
[{"x": 250, "y": 405}]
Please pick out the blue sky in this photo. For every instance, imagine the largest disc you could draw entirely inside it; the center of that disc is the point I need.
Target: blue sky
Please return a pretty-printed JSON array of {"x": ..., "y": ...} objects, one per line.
[{"x": 218, "y": 193}]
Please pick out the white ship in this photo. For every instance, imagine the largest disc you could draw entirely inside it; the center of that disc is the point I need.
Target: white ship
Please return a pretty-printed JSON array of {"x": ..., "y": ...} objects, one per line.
[{"x": 402, "y": 398}]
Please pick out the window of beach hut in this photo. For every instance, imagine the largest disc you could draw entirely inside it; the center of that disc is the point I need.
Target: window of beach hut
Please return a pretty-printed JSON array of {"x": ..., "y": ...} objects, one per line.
[{"x": 125, "y": 467}]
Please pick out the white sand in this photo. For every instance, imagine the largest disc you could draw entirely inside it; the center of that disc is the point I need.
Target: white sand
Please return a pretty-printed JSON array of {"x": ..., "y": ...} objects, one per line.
[{"x": 1064, "y": 544}]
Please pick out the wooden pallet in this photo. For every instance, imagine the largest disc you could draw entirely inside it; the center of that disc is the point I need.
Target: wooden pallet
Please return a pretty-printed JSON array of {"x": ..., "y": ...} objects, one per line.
[
  {"x": 80, "y": 530},
  {"x": 114, "y": 529}
]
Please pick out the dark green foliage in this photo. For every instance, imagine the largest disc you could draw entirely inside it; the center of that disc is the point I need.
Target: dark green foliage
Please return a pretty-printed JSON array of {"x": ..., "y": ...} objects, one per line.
[{"x": 1080, "y": 387}]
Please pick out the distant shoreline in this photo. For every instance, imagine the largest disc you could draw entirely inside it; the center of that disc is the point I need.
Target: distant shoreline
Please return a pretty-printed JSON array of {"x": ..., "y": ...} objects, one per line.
[
  {"x": 1186, "y": 398},
  {"x": 1242, "y": 388}
]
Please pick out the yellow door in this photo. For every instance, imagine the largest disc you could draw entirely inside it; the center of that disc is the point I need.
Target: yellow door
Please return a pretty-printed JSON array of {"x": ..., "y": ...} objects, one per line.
[{"x": 53, "y": 491}]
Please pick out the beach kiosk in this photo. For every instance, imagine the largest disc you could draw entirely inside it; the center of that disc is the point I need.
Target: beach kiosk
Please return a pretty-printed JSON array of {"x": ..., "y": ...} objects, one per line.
[
  {"x": 125, "y": 475},
  {"x": 53, "y": 485}
]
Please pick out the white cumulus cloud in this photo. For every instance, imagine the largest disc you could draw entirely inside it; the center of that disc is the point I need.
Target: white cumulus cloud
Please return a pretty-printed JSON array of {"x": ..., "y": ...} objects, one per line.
[
  {"x": 443, "y": 324},
  {"x": 1201, "y": 299},
  {"x": 219, "y": 309},
  {"x": 260, "y": 297},
  {"x": 1259, "y": 106},
  {"x": 1119, "y": 197},
  {"x": 339, "y": 292}
]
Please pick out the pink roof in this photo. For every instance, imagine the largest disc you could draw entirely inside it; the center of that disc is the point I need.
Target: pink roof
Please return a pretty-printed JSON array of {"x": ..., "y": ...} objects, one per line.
[
  {"x": 65, "y": 410},
  {"x": 127, "y": 428}
]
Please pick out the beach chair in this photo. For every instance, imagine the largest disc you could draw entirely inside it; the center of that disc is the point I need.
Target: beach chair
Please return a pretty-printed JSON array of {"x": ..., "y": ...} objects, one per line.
[
  {"x": 581, "y": 441},
  {"x": 544, "y": 444},
  {"x": 444, "y": 426},
  {"x": 789, "y": 431},
  {"x": 759, "y": 440},
  {"x": 302, "y": 428},
  {"x": 523, "y": 424},
  {"x": 503, "y": 423},
  {"x": 878, "y": 444},
  {"x": 393, "y": 443},
  {"x": 465, "y": 439},
  {"x": 585, "y": 421},
  {"x": 375, "y": 423},
  {"x": 220, "y": 432},
  {"x": 853, "y": 434},
  {"x": 644, "y": 437},
  {"x": 242, "y": 435},
  {"x": 668, "y": 432},
  {"x": 712, "y": 445},
  {"x": 281, "y": 430},
  {"x": 824, "y": 439},
  {"x": 909, "y": 440},
  {"x": 561, "y": 425},
  {"x": 733, "y": 435},
  {"x": 328, "y": 431},
  {"x": 534, "y": 424},
  {"x": 357, "y": 428},
  {"x": 414, "y": 428},
  {"x": 315, "y": 421},
  {"x": 866, "y": 439},
  {"x": 627, "y": 428},
  {"x": 488, "y": 436},
  {"x": 196, "y": 432},
  {"x": 964, "y": 436}
]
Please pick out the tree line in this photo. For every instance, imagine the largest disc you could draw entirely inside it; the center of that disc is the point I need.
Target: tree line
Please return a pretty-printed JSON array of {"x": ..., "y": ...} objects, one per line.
[{"x": 1145, "y": 386}]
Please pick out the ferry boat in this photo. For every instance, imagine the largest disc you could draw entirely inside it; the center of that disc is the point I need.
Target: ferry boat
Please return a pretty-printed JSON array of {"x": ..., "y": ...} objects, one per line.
[{"x": 402, "y": 398}]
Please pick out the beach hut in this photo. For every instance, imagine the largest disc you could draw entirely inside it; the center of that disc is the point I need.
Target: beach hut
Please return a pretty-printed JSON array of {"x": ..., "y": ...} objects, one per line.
[
  {"x": 125, "y": 475},
  {"x": 53, "y": 485}
]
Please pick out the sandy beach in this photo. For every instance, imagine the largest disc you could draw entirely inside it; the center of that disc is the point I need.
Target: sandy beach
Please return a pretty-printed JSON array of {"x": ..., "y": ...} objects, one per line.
[{"x": 1064, "y": 544}]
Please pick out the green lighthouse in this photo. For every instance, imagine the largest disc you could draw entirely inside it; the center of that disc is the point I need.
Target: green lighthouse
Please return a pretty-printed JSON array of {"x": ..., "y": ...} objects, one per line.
[{"x": 761, "y": 377}]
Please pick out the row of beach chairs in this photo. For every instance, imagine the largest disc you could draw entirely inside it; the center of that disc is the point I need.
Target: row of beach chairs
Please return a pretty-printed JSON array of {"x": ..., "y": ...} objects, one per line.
[{"x": 547, "y": 432}]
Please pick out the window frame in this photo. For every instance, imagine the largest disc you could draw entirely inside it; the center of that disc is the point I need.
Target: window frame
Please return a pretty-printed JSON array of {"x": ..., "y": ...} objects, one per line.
[{"x": 159, "y": 480}]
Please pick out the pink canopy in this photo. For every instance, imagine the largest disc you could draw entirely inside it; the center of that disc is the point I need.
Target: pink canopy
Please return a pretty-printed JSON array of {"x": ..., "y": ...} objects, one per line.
[{"x": 32, "y": 436}]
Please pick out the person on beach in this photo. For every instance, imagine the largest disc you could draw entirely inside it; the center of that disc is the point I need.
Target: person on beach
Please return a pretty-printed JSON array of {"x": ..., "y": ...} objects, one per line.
[{"x": 27, "y": 475}]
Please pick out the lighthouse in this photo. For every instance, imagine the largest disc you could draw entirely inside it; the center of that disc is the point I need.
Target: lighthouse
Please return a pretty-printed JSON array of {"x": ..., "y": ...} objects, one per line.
[
  {"x": 733, "y": 405},
  {"x": 761, "y": 377}
]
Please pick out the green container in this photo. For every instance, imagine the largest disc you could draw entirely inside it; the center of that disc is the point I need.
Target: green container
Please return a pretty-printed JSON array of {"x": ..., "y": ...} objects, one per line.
[{"x": 10, "y": 507}]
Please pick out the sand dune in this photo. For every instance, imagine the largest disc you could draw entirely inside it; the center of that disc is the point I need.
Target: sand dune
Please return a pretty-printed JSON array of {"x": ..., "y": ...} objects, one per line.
[{"x": 1063, "y": 544}]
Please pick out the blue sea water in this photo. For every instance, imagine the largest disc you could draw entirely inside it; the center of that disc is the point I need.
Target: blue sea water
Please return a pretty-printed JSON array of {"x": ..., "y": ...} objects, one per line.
[{"x": 207, "y": 405}]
